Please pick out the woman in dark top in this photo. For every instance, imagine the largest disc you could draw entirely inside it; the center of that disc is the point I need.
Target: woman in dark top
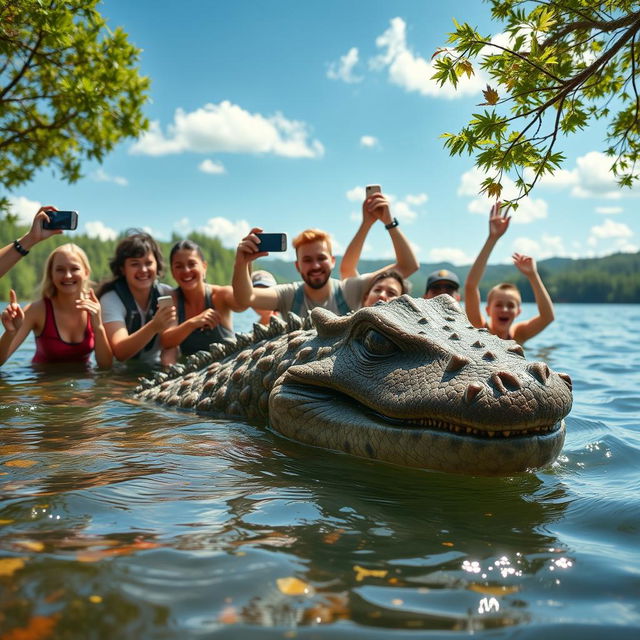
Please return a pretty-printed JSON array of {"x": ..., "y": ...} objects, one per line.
[{"x": 204, "y": 310}]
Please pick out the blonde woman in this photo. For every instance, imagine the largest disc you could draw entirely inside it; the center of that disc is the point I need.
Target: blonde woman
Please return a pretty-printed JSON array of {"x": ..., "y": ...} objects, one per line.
[{"x": 66, "y": 320}]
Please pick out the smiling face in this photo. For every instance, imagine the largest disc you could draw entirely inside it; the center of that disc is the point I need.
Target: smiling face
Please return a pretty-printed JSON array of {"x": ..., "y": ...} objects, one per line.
[
  {"x": 140, "y": 273},
  {"x": 188, "y": 269},
  {"x": 68, "y": 273},
  {"x": 503, "y": 307},
  {"x": 383, "y": 290},
  {"x": 315, "y": 263}
]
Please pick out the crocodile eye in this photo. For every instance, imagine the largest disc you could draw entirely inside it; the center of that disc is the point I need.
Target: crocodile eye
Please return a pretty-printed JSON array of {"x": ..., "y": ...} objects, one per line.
[{"x": 377, "y": 344}]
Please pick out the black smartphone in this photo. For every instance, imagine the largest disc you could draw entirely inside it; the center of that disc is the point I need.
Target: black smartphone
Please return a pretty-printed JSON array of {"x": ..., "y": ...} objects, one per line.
[
  {"x": 67, "y": 220},
  {"x": 272, "y": 241}
]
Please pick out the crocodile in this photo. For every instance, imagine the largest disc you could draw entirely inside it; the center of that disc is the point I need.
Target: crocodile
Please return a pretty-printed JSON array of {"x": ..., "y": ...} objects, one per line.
[{"x": 409, "y": 382}]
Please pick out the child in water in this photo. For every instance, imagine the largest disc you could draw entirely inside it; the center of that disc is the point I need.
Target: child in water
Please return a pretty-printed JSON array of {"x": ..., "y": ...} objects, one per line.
[
  {"x": 504, "y": 300},
  {"x": 66, "y": 320}
]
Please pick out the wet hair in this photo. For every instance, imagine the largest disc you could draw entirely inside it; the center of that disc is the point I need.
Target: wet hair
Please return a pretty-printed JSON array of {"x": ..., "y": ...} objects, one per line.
[
  {"x": 47, "y": 288},
  {"x": 383, "y": 275},
  {"x": 504, "y": 286},
  {"x": 135, "y": 244},
  {"x": 185, "y": 245},
  {"x": 312, "y": 235}
]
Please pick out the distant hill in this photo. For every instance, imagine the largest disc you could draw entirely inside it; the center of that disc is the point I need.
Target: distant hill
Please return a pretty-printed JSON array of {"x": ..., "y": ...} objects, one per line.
[{"x": 614, "y": 278}]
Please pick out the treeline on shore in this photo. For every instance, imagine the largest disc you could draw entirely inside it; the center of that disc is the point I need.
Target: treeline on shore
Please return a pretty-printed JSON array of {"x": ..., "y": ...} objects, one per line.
[{"x": 614, "y": 278}]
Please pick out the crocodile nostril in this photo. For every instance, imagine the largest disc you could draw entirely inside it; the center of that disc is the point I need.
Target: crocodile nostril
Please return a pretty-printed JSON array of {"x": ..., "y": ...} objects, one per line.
[
  {"x": 517, "y": 349},
  {"x": 471, "y": 392},
  {"x": 456, "y": 363},
  {"x": 540, "y": 371},
  {"x": 509, "y": 380},
  {"x": 567, "y": 380}
]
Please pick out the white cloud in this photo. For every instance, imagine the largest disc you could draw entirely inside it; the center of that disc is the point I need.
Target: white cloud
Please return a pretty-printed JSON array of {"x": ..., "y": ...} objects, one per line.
[
  {"x": 182, "y": 226},
  {"x": 404, "y": 208},
  {"x": 211, "y": 166},
  {"x": 226, "y": 127},
  {"x": 100, "y": 175},
  {"x": 343, "y": 68},
  {"x": 229, "y": 232},
  {"x": 412, "y": 72},
  {"x": 609, "y": 210},
  {"x": 417, "y": 199},
  {"x": 548, "y": 246},
  {"x": 369, "y": 142},
  {"x": 591, "y": 178},
  {"x": 356, "y": 194},
  {"x": 530, "y": 209},
  {"x": 23, "y": 208},
  {"x": 627, "y": 247},
  {"x": 98, "y": 229},
  {"x": 449, "y": 254},
  {"x": 611, "y": 229}
]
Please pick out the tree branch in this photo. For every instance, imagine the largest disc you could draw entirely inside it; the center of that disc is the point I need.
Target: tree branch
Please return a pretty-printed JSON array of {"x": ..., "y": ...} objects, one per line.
[{"x": 611, "y": 25}]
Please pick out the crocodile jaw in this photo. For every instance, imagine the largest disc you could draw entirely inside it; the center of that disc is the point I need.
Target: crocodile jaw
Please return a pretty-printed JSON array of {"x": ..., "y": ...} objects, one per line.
[{"x": 340, "y": 425}]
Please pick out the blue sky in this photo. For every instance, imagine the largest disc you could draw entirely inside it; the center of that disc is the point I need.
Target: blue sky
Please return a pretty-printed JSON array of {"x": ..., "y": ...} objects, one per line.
[{"x": 277, "y": 114}]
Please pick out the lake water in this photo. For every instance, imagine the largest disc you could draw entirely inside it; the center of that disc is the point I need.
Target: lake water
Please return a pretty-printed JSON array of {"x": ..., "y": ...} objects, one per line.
[{"x": 127, "y": 521}]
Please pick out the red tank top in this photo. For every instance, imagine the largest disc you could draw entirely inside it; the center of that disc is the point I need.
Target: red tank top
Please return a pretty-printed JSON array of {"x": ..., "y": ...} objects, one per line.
[{"x": 50, "y": 347}]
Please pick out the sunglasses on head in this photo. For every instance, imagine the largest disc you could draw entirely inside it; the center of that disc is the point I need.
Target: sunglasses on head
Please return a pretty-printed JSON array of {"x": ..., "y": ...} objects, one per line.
[{"x": 443, "y": 287}]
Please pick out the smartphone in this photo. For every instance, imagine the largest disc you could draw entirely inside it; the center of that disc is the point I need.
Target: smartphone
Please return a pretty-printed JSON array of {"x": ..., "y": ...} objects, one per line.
[
  {"x": 372, "y": 188},
  {"x": 165, "y": 301},
  {"x": 61, "y": 220},
  {"x": 272, "y": 241}
]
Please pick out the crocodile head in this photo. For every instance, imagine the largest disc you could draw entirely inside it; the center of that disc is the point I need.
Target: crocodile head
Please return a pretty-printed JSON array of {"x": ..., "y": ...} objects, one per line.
[{"x": 411, "y": 382}]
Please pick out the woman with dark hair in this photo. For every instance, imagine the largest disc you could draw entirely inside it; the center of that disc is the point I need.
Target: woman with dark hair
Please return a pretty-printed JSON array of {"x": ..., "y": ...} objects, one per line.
[
  {"x": 204, "y": 310},
  {"x": 385, "y": 286},
  {"x": 129, "y": 300}
]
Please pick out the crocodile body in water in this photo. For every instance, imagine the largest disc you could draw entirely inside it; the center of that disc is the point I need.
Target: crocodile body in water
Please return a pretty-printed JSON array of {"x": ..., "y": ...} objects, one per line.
[{"x": 409, "y": 382}]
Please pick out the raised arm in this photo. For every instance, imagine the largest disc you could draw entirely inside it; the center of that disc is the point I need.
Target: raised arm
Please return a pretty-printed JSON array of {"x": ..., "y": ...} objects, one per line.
[
  {"x": 529, "y": 328},
  {"x": 103, "y": 352},
  {"x": 17, "y": 324},
  {"x": 245, "y": 294},
  {"x": 349, "y": 262},
  {"x": 498, "y": 224},
  {"x": 406, "y": 262},
  {"x": 10, "y": 254}
]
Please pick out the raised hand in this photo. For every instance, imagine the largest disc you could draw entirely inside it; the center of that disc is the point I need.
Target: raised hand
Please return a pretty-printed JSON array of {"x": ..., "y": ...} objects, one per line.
[
  {"x": 376, "y": 207},
  {"x": 89, "y": 302},
  {"x": 13, "y": 315},
  {"x": 249, "y": 247},
  {"x": 498, "y": 221},
  {"x": 525, "y": 264},
  {"x": 37, "y": 233}
]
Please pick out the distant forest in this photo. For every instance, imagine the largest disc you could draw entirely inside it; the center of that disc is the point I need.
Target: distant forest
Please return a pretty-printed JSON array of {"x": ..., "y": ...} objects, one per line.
[{"x": 615, "y": 278}]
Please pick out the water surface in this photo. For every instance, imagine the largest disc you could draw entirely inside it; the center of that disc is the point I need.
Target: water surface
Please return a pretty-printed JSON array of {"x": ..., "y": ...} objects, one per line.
[{"x": 125, "y": 521}]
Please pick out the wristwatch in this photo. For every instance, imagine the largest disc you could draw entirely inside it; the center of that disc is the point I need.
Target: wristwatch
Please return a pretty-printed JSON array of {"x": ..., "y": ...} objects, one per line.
[
  {"x": 19, "y": 248},
  {"x": 392, "y": 224}
]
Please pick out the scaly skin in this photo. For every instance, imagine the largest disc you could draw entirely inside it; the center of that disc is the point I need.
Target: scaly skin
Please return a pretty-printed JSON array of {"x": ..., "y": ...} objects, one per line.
[{"x": 408, "y": 382}]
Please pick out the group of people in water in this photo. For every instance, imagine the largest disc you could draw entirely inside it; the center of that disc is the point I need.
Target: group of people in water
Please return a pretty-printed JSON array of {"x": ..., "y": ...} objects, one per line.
[{"x": 132, "y": 316}]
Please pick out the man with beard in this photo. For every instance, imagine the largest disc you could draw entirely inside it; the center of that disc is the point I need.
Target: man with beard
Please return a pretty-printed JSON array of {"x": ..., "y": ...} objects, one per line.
[{"x": 315, "y": 262}]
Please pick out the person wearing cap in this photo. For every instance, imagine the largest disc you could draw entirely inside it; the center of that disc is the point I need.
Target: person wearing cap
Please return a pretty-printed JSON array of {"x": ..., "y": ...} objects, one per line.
[
  {"x": 504, "y": 300},
  {"x": 442, "y": 281},
  {"x": 263, "y": 279},
  {"x": 314, "y": 262}
]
